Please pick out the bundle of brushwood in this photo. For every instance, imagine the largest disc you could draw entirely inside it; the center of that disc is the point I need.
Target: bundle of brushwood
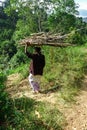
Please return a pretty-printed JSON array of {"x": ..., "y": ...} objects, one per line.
[{"x": 39, "y": 39}]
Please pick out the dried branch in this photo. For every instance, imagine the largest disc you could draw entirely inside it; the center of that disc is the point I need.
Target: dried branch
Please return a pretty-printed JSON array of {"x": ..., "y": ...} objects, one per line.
[{"x": 45, "y": 39}]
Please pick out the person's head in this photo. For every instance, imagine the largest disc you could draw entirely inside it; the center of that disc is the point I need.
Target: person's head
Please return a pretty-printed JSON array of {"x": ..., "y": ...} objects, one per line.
[{"x": 37, "y": 49}]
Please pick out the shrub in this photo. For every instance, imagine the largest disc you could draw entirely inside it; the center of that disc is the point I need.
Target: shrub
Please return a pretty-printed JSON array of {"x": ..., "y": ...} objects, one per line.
[
  {"x": 75, "y": 37},
  {"x": 8, "y": 113},
  {"x": 18, "y": 59}
]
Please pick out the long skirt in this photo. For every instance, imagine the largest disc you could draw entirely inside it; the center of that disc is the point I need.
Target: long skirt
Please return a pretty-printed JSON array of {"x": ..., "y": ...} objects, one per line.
[{"x": 34, "y": 82}]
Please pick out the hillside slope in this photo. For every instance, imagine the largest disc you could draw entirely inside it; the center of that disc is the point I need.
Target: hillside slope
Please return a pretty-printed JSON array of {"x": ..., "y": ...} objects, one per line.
[{"x": 75, "y": 113}]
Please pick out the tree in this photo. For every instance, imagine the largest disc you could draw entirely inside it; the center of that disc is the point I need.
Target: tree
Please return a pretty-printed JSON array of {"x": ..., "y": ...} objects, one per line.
[
  {"x": 61, "y": 22},
  {"x": 43, "y": 15},
  {"x": 63, "y": 15}
]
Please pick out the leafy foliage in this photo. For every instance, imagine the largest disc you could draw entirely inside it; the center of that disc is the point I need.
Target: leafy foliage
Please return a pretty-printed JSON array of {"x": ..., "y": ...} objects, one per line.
[
  {"x": 64, "y": 66},
  {"x": 21, "y": 113},
  {"x": 7, "y": 110},
  {"x": 65, "y": 71},
  {"x": 21, "y": 18},
  {"x": 76, "y": 38},
  {"x": 18, "y": 59}
]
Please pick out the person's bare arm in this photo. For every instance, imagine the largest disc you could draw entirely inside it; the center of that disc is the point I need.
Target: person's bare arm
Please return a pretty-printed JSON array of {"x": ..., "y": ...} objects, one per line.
[
  {"x": 26, "y": 48},
  {"x": 30, "y": 55}
]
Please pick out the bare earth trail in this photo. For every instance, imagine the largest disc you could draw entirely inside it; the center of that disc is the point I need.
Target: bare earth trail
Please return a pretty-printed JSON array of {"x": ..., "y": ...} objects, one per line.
[{"x": 75, "y": 114}]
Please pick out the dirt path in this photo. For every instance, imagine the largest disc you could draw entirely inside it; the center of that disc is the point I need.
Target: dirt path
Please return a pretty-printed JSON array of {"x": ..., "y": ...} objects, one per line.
[{"x": 75, "y": 114}]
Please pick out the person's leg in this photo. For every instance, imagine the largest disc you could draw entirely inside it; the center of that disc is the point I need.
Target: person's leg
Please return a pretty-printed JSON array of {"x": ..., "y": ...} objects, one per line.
[
  {"x": 34, "y": 82},
  {"x": 30, "y": 78},
  {"x": 35, "y": 86},
  {"x": 37, "y": 79}
]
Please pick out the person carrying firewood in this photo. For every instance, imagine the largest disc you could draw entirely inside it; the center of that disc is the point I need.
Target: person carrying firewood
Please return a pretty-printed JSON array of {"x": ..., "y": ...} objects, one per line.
[{"x": 37, "y": 65}]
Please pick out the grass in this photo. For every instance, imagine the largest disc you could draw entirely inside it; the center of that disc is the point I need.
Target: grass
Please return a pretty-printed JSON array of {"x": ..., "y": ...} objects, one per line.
[
  {"x": 67, "y": 70},
  {"x": 22, "y": 69},
  {"x": 26, "y": 117},
  {"x": 49, "y": 117},
  {"x": 63, "y": 73}
]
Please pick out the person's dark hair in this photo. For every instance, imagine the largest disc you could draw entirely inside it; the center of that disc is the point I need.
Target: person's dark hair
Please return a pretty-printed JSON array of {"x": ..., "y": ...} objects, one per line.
[{"x": 38, "y": 49}]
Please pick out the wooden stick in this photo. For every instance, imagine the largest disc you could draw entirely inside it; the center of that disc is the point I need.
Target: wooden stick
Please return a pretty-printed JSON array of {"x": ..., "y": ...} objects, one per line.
[
  {"x": 49, "y": 39},
  {"x": 50, "y": 44}
]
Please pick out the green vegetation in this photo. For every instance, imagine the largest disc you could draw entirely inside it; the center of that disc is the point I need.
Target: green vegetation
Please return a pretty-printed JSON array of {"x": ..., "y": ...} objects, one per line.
[
  {"x": 66, "y": 71},
  {"x": 63, "y": 75},
  {"x": 18, "y": 20},
  {"x": 26, "y": 113},
  {"x": 65, "y": 67}
]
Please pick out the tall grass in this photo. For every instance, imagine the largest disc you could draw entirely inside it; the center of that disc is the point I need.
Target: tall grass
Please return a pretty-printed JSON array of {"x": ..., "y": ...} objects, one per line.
[
  {"x": 38, "y": 115},
  {"x": 66, "y": 70},
  {"x": 27, "y": 114}
]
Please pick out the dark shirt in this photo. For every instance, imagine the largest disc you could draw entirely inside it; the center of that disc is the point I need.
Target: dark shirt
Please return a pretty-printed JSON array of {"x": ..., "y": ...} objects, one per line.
[{"x": 37, "y": 64}]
